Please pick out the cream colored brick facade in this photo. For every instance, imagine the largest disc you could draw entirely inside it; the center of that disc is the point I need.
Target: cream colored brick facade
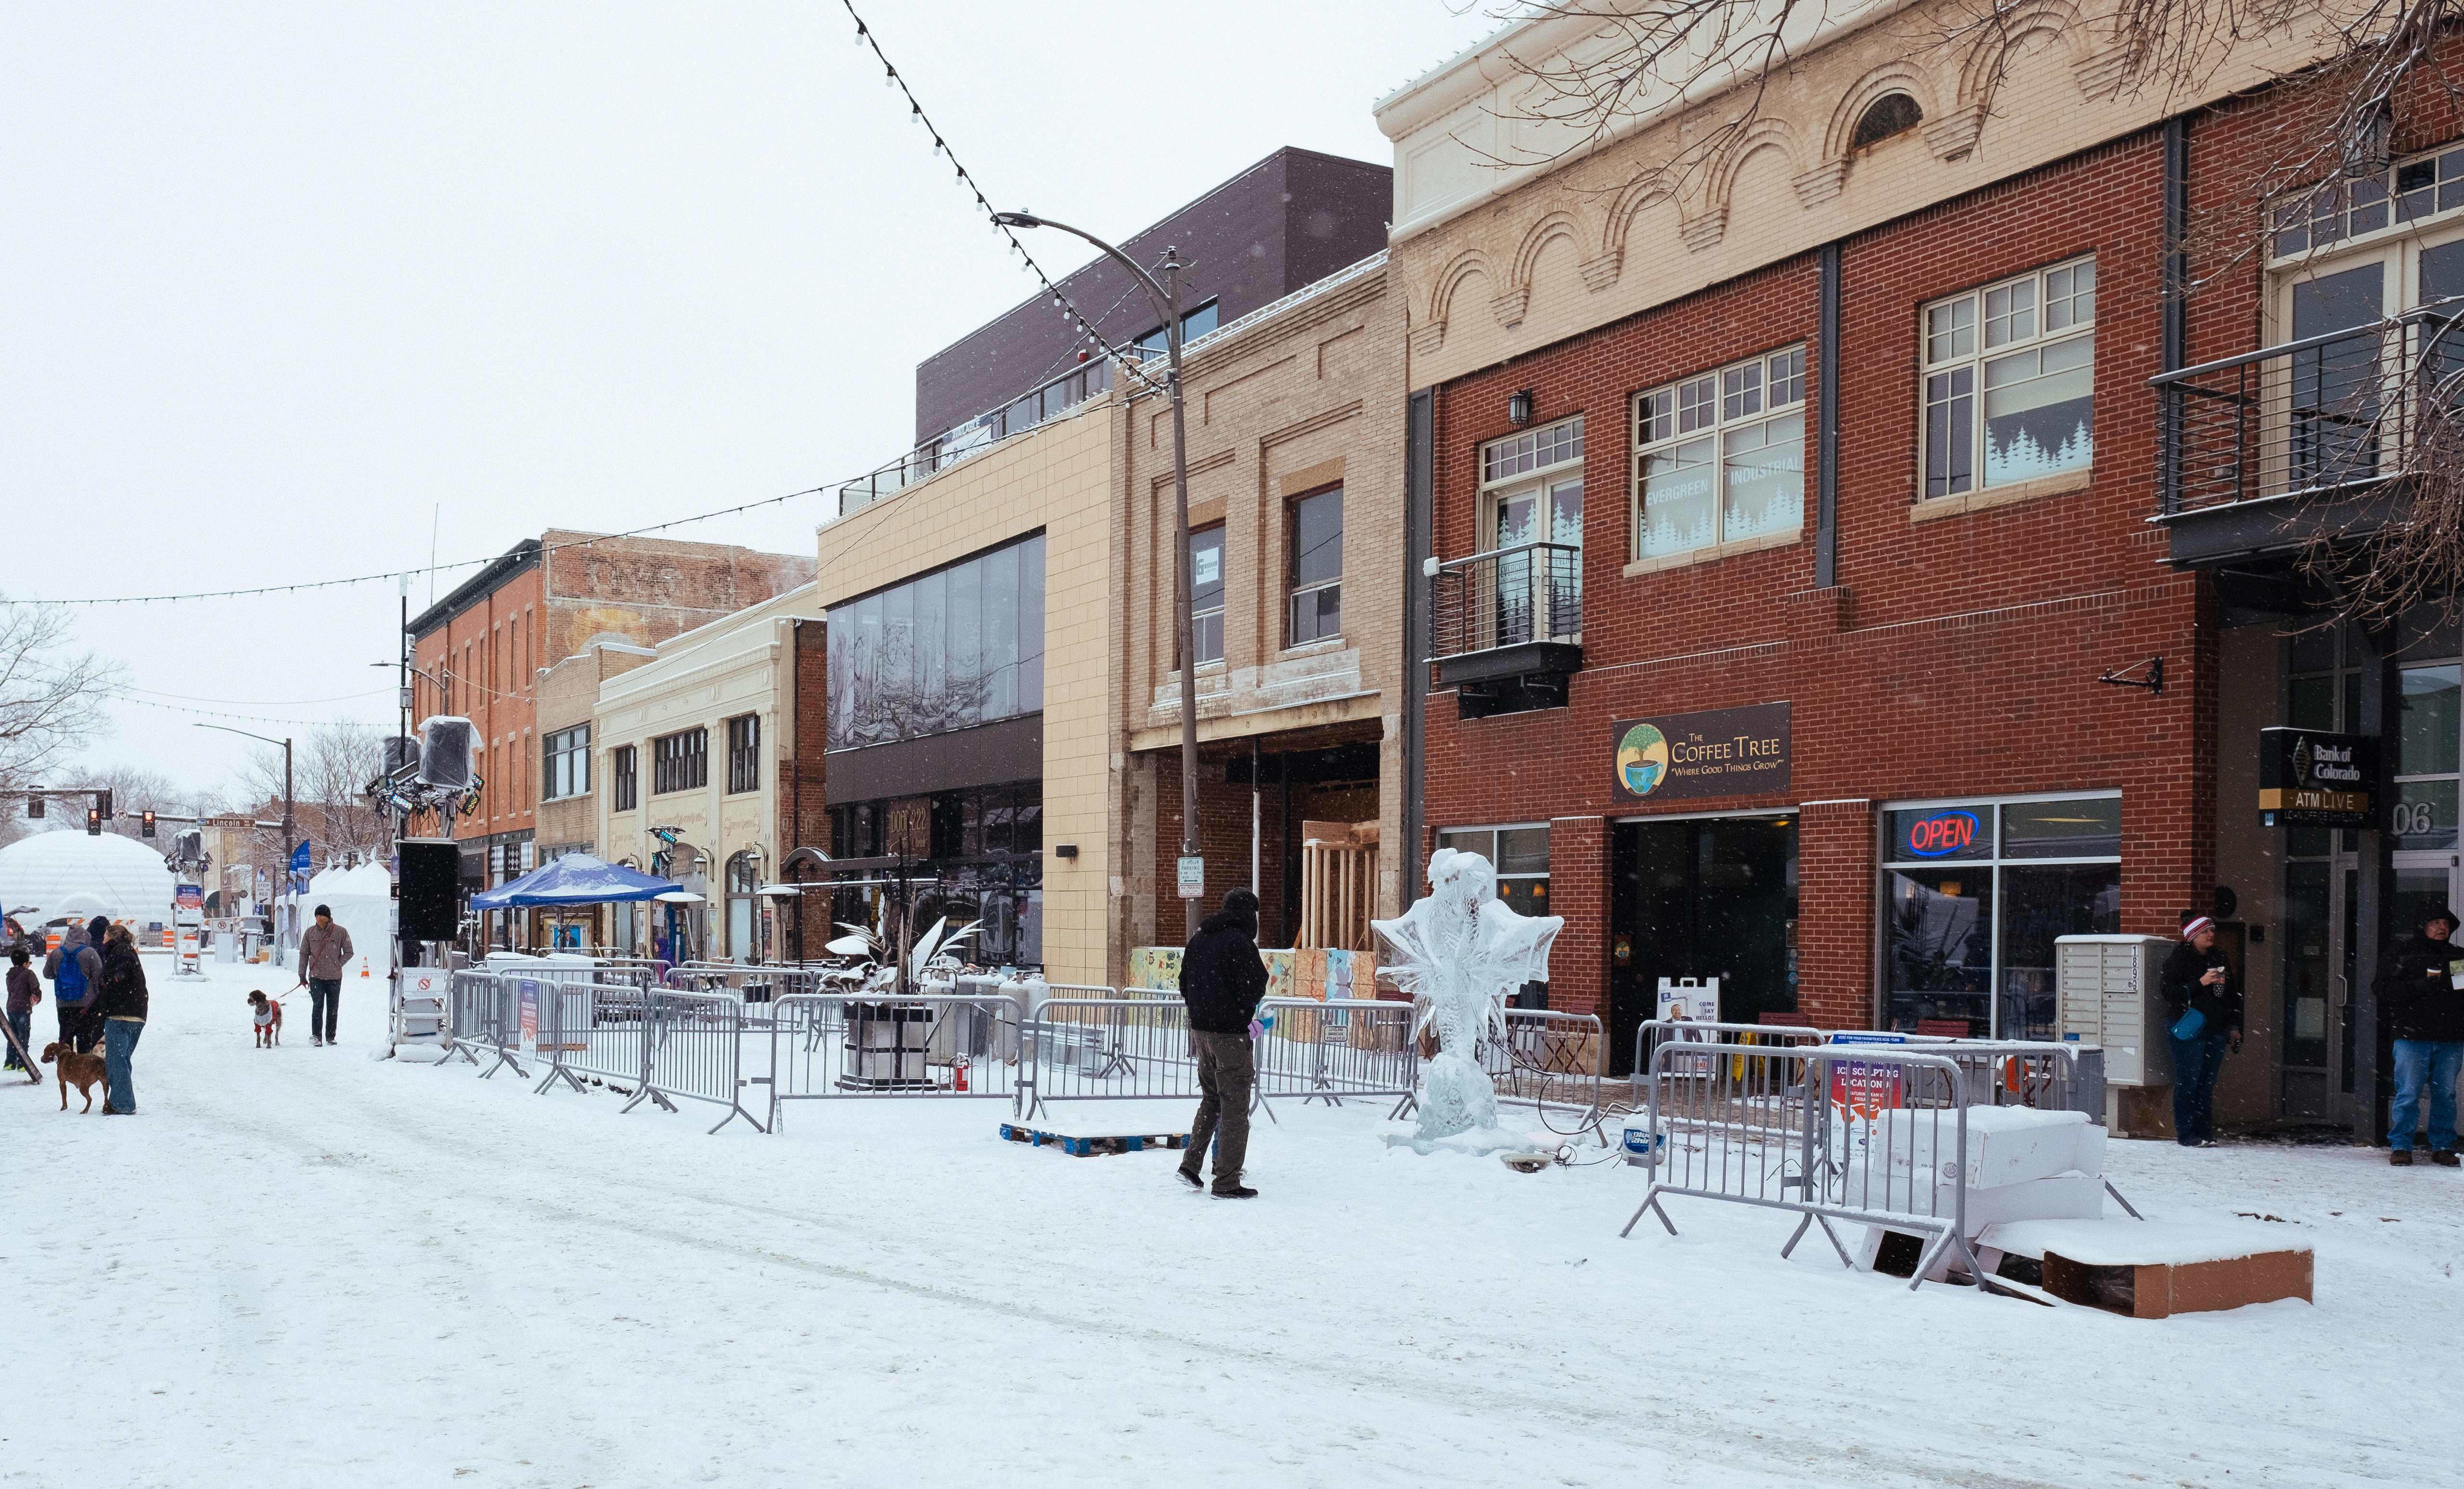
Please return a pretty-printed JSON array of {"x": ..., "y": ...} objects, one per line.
[
  {"x": 1057, "y": 477},
  {"x": 1300, "y": 396},
  {"x": 1502, "y": 246},
  {"x": 743, "y": 664}
]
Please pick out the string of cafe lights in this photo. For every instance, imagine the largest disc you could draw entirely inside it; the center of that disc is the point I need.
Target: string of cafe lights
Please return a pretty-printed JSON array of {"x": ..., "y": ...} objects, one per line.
[{"x": 1127, "y": 357}]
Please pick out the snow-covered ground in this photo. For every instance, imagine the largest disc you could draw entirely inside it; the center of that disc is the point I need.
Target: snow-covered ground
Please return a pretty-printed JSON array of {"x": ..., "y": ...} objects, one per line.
[{"x": 307, "y": 1266}]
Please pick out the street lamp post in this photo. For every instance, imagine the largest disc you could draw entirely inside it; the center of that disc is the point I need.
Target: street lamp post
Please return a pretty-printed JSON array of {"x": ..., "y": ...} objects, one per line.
[
  {"x": 1167, "y": 299},
  {"x": 287, "y": 818}
]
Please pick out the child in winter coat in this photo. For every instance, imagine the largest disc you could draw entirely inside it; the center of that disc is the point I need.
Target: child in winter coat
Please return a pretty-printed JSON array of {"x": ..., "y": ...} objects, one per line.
[{"x": 25, "y": 991}]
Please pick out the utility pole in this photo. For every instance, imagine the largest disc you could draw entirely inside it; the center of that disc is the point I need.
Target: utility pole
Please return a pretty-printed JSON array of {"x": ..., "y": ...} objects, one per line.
[{"x": 1168, "y": 301}]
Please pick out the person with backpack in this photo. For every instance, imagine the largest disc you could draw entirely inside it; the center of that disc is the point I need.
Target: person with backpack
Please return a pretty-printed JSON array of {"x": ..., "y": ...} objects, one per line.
[
  {"x": 120, "y": 1005},
  {"x": 1221, "y": 980},
  {"x": 72, "y": 970}
]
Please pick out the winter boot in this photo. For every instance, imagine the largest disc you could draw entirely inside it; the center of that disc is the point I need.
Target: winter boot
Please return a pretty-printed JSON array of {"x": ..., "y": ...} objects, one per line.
[
  {"x": 2401, "y": 1157},
  {"x": 2444, "y": 1158}
]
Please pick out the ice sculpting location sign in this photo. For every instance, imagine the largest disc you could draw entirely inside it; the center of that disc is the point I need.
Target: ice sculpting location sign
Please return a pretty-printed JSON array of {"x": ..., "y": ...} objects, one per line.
[{"x": 1724, "y": 753}]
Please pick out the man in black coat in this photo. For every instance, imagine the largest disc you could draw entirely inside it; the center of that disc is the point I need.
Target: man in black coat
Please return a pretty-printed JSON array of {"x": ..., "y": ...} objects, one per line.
[
  {"x": 2198, "y": 979},
  {"x": 2425, "y": 1011},
  {"x": 1221, "y": 980}
]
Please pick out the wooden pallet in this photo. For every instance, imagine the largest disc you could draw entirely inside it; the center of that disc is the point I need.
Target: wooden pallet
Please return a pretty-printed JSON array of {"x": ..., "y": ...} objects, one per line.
[{"x": 1091, "y": 1147}]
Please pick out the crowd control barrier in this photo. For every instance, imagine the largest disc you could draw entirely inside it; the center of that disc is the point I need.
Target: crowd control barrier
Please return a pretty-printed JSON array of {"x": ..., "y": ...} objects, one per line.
[
  {"x": 851, "y": 1046},
  {"x": 1871, "y": 1134}
]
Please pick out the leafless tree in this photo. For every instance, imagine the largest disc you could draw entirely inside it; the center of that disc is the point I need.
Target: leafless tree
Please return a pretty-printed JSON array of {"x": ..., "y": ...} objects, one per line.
[
  {"x": 331, "y": 767},
  {"x": 47, "y": 692}
]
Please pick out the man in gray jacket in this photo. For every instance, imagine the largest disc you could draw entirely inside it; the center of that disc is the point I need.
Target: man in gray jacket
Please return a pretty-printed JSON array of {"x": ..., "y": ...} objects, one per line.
[{"x": 324, "y": 954}]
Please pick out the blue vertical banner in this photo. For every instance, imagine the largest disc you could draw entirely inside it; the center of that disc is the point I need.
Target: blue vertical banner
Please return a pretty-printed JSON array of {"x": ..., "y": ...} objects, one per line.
[{"x": 299, "y": 867}]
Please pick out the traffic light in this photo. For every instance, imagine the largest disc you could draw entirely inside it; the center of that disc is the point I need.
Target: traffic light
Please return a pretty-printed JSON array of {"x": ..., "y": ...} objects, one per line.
[
  {"x": 146, "y": 827},
  {"x": 94, "y": 822},
  {"x": 35, "y": 805}
]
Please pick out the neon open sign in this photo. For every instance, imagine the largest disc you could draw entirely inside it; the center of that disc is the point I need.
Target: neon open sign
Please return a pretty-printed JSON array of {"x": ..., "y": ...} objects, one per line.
[{"x": 1941, "y": 834}]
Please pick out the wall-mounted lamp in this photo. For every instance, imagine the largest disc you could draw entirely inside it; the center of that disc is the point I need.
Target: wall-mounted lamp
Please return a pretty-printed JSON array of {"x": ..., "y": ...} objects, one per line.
[
  {"x": 1065, "y": 850},
  {"x": 2372, "y": 148},
  {"x": 1518, "y": 407}
]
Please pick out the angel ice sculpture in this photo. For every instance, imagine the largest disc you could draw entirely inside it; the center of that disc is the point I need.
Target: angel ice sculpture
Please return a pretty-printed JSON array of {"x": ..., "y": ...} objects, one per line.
[{"x": 1458, "y": 953}]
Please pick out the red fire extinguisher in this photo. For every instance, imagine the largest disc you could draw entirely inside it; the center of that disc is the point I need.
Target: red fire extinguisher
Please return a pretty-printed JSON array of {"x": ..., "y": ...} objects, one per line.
[{"x": 958, "y": 1070}]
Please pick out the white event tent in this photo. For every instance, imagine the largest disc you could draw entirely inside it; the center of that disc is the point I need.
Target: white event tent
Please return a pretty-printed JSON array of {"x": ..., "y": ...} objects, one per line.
[
  {"x": 56, "y": 874},
  {"x": 361, "y": 900}
]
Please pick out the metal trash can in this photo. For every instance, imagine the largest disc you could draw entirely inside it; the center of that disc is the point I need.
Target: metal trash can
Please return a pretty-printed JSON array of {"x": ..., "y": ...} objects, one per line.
[{"x": 885, "y": 1048}]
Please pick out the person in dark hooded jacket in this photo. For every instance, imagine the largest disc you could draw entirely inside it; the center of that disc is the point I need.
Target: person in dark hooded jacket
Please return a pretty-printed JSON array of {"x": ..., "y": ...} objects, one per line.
[
  {"x": 74, "y": 972},
  {"x": 1221, "y": 980},
  {"x": 121, "y": 1007},
  {"x": 2198, "y": 978},
  {"x": 2425, "y": 1011}
]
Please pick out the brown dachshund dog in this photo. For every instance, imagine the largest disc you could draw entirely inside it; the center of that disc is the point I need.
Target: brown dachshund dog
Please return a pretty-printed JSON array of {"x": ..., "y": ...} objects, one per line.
[
  {"x": 83, "y": 1071},
  {"x": 266, "y": 1014}
]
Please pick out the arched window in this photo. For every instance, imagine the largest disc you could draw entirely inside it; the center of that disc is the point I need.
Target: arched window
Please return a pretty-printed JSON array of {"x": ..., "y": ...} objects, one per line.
[
  {"x": 1885, "y": 117},
  {"x": 744, "y": 915}
]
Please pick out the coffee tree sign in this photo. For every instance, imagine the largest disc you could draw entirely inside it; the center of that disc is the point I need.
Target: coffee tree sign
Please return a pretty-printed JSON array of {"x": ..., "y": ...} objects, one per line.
[
  {"x": 1724, "y": 753},
  {"x": 2310, "y": 779}
]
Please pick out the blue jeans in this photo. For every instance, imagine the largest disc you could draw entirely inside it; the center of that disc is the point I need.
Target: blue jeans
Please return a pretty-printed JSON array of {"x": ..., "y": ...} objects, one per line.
[
  {"x": 23, "y": 1025},
  {"x": 2434, "y": 1061},
  {"x": 119, "y": 1042},
  {"x": 2196, "y": 1060}
]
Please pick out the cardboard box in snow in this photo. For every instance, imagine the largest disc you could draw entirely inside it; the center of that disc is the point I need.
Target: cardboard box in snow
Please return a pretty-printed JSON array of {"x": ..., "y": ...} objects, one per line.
[{"x": 2154, "y": 1269}]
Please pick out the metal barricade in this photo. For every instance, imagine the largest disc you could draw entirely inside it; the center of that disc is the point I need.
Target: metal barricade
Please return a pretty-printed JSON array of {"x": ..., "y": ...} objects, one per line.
[
  {"x": 852, "y": 1046},
  {"x": 484, "y": 1016},
  {"x": 1337, "y": 1048},
  {"x": 693, "y": 1049},
  {"x": 1548, "y": 1059},
  {"x": 1653, "y": 1033},
  {"x": 598, "y": 1031},
  {"x": 1106, "y": 1049},
  {"x": 1871, "y": 1134}
]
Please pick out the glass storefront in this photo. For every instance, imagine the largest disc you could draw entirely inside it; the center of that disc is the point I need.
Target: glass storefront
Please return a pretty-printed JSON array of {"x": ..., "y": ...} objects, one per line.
[
  {"x": 1975, "y": 893},
  {"x": 1700, "y": 897},
  {"x": 981, "y": 861}
]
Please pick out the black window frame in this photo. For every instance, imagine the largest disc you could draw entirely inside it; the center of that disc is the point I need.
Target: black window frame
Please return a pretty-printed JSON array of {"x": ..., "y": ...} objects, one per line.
[
  {"x": 743, "y": 753},
  {"x": 623, "y": 765},
  {"x": 680, "y": 761}
]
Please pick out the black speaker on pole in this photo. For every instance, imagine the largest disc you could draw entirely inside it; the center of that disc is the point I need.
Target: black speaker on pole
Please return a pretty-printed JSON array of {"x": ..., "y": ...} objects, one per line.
[{"x": 431, "y": 889}]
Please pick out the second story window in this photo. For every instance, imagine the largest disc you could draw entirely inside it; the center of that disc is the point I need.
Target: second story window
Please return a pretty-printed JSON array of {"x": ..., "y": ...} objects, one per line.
[
  {"x": 744, "y": 753},
  {"x": 566, "y": 764},
  {"x": 628, "y": 780},
  {"x": 680, "y": 762},
  {"x": 1532, "y": 487},
  {"x": 2026, "y": 347},
  {"x": 1317, "y": 567},
  {"x": 1206, "y": 594},
  {"x": 1720, "y": 458}
]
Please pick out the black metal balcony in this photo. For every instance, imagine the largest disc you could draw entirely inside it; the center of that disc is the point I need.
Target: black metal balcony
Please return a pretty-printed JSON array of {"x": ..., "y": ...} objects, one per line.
[
  {"x": 1507, "y": 625},
  {"x": 2261, "y": 454}
]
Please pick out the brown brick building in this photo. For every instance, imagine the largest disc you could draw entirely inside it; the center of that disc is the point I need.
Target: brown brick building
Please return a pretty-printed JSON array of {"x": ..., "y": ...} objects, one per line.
[{"x": 480, "y": 651}]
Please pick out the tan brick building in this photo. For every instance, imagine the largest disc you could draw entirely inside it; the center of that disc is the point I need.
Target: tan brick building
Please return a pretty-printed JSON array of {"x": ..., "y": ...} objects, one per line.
[{"x": 1295, "y": 449}]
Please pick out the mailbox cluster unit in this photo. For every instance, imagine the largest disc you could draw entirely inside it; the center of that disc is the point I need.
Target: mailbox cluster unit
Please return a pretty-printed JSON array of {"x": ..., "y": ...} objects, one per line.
[{"x": 2105, "y": 994}]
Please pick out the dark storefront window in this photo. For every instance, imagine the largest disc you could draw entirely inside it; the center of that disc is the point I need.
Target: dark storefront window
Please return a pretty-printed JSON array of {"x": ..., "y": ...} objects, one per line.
[
  {"x": 945, "y": 650},
  {"x": 980, "y": 850},
  {"x": 1700, "y": 897},
  {"x": 1976, "y": 893}
]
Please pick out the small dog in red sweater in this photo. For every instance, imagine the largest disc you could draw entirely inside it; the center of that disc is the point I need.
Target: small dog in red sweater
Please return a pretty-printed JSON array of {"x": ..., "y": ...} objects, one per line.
[{"x": 268, "y": 1019}]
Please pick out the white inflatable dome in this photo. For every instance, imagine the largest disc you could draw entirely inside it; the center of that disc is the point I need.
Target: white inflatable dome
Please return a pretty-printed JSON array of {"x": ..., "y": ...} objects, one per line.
[{"x": 53, "y": 874}]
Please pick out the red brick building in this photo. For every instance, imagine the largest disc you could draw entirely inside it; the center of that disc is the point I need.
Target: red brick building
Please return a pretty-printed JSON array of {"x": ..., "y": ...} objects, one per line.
[{"x": 1798, "y": 520}]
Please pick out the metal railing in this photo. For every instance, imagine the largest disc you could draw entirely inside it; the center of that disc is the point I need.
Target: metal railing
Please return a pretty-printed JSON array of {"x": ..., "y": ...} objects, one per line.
[
  {"x": 1856, "y": 1133},
  {"x": 2322, "y": 416},
  {"x": 1529, "y": 592},
  {"x": 693, "y": 1050},
  {"x": 1549, "y": 1058},
  {"x": 843, "y": 1046},
  {"x": 596, "y": 1031},
  {"x": 1340, "y": 1047}
]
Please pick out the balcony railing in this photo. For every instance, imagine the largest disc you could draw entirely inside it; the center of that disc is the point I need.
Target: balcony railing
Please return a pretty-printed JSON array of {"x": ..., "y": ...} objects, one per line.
[
  {"x": 2328, "y": 415},
  {"x": 1513, "y": 596}
]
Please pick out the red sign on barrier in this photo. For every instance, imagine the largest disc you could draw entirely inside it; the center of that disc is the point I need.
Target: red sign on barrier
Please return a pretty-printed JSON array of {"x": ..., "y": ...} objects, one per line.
[{"x": 1866, "y": 1090}]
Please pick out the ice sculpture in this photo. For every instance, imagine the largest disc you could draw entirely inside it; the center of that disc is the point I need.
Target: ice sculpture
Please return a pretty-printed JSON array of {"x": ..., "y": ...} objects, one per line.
[{"x": 1458, "y": 953}]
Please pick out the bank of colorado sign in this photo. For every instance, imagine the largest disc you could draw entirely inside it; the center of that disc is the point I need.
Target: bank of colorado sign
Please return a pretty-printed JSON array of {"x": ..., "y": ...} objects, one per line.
[
  {"x": 2308, "y": 779},
  {"x": 1724, "y": 753}
]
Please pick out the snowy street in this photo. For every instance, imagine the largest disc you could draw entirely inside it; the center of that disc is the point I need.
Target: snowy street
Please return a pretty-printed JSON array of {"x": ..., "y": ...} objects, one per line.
[{"x": 307, "y": 1266}]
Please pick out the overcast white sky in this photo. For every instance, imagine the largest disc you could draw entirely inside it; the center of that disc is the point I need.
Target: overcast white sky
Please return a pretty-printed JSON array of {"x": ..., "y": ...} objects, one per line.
[{"x": 286, "y": 284}]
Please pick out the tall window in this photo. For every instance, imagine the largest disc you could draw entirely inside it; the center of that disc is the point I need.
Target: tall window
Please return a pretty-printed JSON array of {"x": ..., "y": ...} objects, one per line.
[
  {"x": 1532, "y": 487},
  {"x": 680, "y": 762},
  {"x": 2028, "y": 345},
  {"x": 959, "y": 646},
  {"x": 1977, "y": 892},
  {"x": 1206, "y": 594},
  {"x": 629, "y": 784},
  {"x": 1317, "y": 567},
  {"x": 566, "y": 755},
  {"x": 744, "y": 753},
  {"x": 1720, "y": 458},
  {"x": 1520, "y": 856}
]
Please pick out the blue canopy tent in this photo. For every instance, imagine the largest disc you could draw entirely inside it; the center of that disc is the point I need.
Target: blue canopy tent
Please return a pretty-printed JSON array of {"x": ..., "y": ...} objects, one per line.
[{"x": 574, "y": 879}]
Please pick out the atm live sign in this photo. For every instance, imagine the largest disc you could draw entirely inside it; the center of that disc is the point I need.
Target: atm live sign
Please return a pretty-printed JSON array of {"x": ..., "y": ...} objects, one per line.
[{"x": 2309, "y": 778}]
